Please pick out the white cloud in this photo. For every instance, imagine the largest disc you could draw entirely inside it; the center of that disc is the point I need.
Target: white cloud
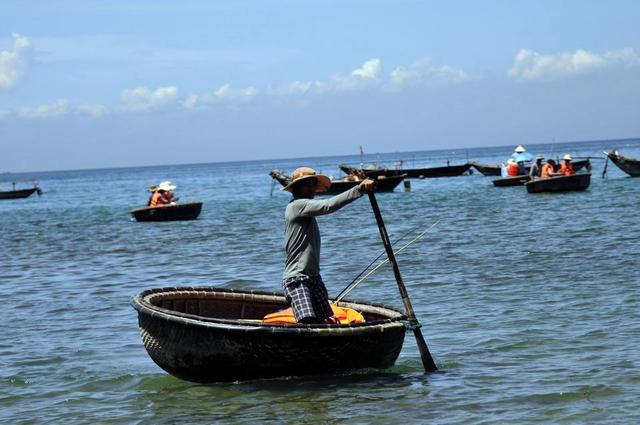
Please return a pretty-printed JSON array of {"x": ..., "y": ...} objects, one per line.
[
  {"x": 369, "y": 70},
  {"x": 94, "y": 110},
  {"x": 224, "y": 93},
  {"x": 531, "y": 65},
  {"x": 424, "y": 71},
  {"x": 142, "y": 99},
  {"x": 365, "y": 76},
  {"x": 13, "y": 63},
  {"x": 60, "y": 107}
]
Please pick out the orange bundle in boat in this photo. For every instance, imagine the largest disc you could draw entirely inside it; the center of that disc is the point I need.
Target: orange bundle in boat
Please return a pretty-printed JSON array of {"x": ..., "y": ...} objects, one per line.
[{"x": 284, "y": 317}]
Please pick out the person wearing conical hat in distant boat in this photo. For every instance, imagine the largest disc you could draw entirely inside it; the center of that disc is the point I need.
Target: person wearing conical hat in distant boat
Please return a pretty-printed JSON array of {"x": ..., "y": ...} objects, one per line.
[
  {"x": 303, "y": 287},
  {"x": 566, "y": 169},
  {"x": 163, "y": 194},
  {"x": 536, "y": 168}
]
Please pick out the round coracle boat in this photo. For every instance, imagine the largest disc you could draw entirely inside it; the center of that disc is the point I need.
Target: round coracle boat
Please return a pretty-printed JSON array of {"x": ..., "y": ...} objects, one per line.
[
  {"x": 170, "y": 212},
  {"x": 210, "y": 334}
]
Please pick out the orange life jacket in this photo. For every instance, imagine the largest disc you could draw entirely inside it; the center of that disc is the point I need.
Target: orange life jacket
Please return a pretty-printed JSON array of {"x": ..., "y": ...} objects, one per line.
[
  {"x": 156, "y": 199},
  {"x": 547, "y": 169},
  {"x": 285, "y": 317},
  {"x": 512, "y": 169},
  {"x": 567, "y": 169}
]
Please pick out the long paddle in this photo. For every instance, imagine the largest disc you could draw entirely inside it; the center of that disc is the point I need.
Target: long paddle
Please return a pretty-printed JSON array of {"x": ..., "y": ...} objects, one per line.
[{"x": 425, "y": 355}]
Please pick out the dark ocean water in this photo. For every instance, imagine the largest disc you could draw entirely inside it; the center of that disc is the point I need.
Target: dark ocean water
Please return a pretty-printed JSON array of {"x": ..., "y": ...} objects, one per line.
[{"x": 530, "y": 303}]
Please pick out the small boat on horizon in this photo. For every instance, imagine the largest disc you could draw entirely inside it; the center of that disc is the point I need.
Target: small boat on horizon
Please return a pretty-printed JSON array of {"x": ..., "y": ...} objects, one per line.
[
  {"x": 169, "y": 212},
  {"x": 627, "y": 164},
  {"x": 20, "y": 193},
  {"x": 210, "y": 334}
]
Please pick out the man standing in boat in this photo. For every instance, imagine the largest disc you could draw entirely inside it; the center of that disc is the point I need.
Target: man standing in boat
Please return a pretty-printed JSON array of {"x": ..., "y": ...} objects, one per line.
[{"x": 302, "y": 284}]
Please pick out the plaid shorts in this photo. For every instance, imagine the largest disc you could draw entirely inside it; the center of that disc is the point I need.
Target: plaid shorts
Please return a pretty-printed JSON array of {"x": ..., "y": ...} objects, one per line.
[{"x": 308, "y": 297}]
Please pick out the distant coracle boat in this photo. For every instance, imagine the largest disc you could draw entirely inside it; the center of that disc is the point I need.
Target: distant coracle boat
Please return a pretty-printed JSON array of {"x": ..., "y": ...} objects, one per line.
[
  {"x": 216, "y": 335},
  {"x": 411, "y": 173},
  {"x": 383, "y": 184},
  {"x": 559, "y": 183},
  {"x": 496, "y": 169},
  {"x": 171, "y": 212},
  {"x": 627, "y": 164}
]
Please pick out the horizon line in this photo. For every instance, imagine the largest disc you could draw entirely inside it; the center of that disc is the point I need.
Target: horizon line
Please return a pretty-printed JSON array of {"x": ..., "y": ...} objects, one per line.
[{"x": 5, "y": 173}]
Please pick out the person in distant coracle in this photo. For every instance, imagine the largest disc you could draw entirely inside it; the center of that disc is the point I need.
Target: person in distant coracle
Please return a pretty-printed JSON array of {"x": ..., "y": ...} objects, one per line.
[
  {"x": 548, "y": 170},
  {"x": 302, "y": 284},
  {"x": 163, "y": 194},
  {"x": 566, "y": 168},
  {"x": 536, "y": 168}
]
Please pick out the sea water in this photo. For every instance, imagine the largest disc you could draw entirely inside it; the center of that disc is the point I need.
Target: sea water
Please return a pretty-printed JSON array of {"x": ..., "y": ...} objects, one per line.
[{"x": 530, "y": 303}]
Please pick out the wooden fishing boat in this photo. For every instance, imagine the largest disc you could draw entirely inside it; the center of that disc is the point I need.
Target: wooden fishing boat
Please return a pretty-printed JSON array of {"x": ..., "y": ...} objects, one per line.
[
  {"x": 171, "y": 212},
  {"x": 211, "y": 335},
  {"x": 371, "y": 173},
  {"x": 580, "y": 164},
  {"x": 20, "y": 193},
  {"x": 627, "y": 164},
  {"x": 559, "y": 183},
  {"x": 511, "y": 181},
  {"x": 412, "y": 173},
  {"x": 487, "y": 169},
  {"x": 383, "y": 184}
]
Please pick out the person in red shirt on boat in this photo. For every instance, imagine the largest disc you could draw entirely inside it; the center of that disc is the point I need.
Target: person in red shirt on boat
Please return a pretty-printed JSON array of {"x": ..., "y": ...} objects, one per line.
[
  {"x": 163, "y": 195},
  {"x": 566, "y": 168},
  {"x": 512, "y": 168}
]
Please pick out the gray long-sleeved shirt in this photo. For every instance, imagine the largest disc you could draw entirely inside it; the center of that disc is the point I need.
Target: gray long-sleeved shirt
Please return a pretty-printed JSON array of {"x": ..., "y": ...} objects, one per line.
[{"x": 302, "y": 236}]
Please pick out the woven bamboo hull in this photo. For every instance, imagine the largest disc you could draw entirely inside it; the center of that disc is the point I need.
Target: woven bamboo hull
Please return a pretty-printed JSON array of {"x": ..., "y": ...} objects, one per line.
[
  {"x": 189, "y": 211},
  {"x": 559, "y": 184},
  {"x": 629, "y": 165},
  {"x": 511, "y": 181},
  {"x": 17, "y": 194},
  {"x": 199, "y": 347}
]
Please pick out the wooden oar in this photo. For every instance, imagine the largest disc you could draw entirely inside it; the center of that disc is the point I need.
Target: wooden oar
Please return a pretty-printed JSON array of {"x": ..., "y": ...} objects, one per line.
[{"x": 425, "y": 355}]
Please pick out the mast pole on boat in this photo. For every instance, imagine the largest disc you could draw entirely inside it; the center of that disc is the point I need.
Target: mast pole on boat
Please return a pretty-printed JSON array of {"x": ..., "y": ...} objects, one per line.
[{"x": 425, "y": 355}]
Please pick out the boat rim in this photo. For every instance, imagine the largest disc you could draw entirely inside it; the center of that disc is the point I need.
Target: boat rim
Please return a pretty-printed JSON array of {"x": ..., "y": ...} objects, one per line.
[
  {"x": 168, "y": 205},
  {"x": 140, "y": 303}
]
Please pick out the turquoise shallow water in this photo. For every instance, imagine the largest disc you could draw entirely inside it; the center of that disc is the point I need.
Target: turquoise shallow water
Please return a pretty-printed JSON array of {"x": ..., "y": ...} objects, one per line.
[{"x": 530, "y": 303}]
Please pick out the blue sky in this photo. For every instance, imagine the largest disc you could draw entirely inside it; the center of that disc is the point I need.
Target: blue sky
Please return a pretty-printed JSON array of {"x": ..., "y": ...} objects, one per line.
[{"x": 86, "y": 84}]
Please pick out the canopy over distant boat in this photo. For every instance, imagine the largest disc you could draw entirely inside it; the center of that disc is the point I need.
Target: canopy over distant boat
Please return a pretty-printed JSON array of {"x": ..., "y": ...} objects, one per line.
[{"x": 523, "y": 157}]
